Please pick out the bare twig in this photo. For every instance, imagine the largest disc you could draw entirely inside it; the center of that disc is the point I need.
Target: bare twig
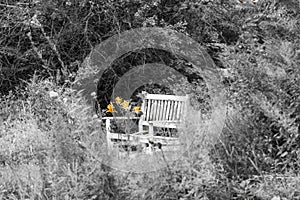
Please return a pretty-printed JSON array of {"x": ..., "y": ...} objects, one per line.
[
  {"x": 54, "y": 48},
  {"x": 7, "y": 6},
  {"x": 39, "y": 54},
  {"x": 13, "y": 6}
]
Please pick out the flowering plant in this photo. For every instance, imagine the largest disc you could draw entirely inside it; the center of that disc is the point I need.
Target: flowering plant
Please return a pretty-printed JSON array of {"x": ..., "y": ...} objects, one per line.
[{"x": 123, "y": 108}]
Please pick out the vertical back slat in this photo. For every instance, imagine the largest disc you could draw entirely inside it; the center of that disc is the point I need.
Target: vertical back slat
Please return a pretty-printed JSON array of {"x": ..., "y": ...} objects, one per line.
[
  {"x": 144, "y": 108},
  {"x": 177, "y": 107},
  {"x": 163, "y": 109},
  {"x": 158, "y": 110},
  {"x": 168, "y": 110},
  {"x": 175, "y": 110},
  {"x": 154, "y": 110},
  {"x": 178, "y": 116},
  {"x": 148, "y": 111},
  {"x": 171, "y": 111},
  {"x": 151, "y": 110}
]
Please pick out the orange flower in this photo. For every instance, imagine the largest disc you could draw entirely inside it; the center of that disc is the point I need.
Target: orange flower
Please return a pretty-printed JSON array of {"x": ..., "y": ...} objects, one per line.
[
  {"x": 118, "y": 100},
  {"x": 125, "y": 104},
  {"x": 110, "y": 108},
  {"x": 136, "y": 109}
]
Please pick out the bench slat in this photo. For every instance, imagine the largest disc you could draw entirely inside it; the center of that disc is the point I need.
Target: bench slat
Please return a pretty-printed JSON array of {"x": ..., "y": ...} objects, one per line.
[
  {"x": 145, "y": 138},
  {"x": 166, "y": 97},
  {"x": 168, "y": 110}
]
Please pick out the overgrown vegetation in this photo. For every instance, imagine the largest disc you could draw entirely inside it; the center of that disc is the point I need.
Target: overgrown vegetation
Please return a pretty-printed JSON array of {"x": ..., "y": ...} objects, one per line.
[{"x": 52, "y": 147}]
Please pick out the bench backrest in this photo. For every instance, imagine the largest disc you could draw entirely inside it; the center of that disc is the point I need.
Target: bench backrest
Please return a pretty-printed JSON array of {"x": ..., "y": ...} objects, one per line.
[{"x": 163, "y": 110}]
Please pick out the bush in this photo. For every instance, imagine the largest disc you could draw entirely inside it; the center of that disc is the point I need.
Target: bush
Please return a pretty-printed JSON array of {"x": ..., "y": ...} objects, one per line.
[{"x": 49, "y": 135}]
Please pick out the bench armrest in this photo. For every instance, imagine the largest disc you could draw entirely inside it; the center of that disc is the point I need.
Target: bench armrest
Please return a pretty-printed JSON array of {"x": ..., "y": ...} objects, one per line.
[
  {"x": 140, "y": 132},
  {"x": 110, "y": 118}
]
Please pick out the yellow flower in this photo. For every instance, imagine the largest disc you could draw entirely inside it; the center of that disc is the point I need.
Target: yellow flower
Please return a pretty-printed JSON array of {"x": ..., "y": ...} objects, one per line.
[
  {"x": 118, "y": 100},
  {"x": 125, "y": 104},
  {"x": 136, "y": 109},
  {"x": 110, "y": 108}
]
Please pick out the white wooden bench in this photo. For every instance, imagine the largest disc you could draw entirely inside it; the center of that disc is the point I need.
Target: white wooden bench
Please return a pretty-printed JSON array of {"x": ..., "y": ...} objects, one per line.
[{"x": 164, "y": 111}]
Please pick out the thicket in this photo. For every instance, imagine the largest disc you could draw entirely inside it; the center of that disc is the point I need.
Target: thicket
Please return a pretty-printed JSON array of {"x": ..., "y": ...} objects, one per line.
[{"x": 255, "y": 45}]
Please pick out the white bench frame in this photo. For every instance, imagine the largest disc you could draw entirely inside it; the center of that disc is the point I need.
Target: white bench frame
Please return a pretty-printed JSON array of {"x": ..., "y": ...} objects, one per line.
[{"x": 165, "y": 111}]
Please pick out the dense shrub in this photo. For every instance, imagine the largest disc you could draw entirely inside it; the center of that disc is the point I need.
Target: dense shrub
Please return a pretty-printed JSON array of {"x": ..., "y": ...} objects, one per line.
[
  {"x": 52, "y": 38},
  {"x": 262, "y": 132},
  {"x": 51, "y": 146},
  {"x": 48, "y": 133}
]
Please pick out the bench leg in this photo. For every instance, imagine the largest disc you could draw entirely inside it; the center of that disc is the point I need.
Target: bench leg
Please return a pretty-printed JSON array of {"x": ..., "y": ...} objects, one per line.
[{"x": 151, "y": 130}]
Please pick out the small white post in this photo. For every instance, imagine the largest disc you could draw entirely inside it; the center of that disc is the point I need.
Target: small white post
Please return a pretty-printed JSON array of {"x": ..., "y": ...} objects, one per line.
[{"x": 108, "y": 135}]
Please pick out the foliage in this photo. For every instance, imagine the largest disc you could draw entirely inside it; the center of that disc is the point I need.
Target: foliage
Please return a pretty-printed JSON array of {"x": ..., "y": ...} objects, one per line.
[
  {"x": 49, "y": 135},
  {"x": 51, "y": 146},
  {"x": 53, "y": 37},
  {"x": 264, "y": 87}
]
